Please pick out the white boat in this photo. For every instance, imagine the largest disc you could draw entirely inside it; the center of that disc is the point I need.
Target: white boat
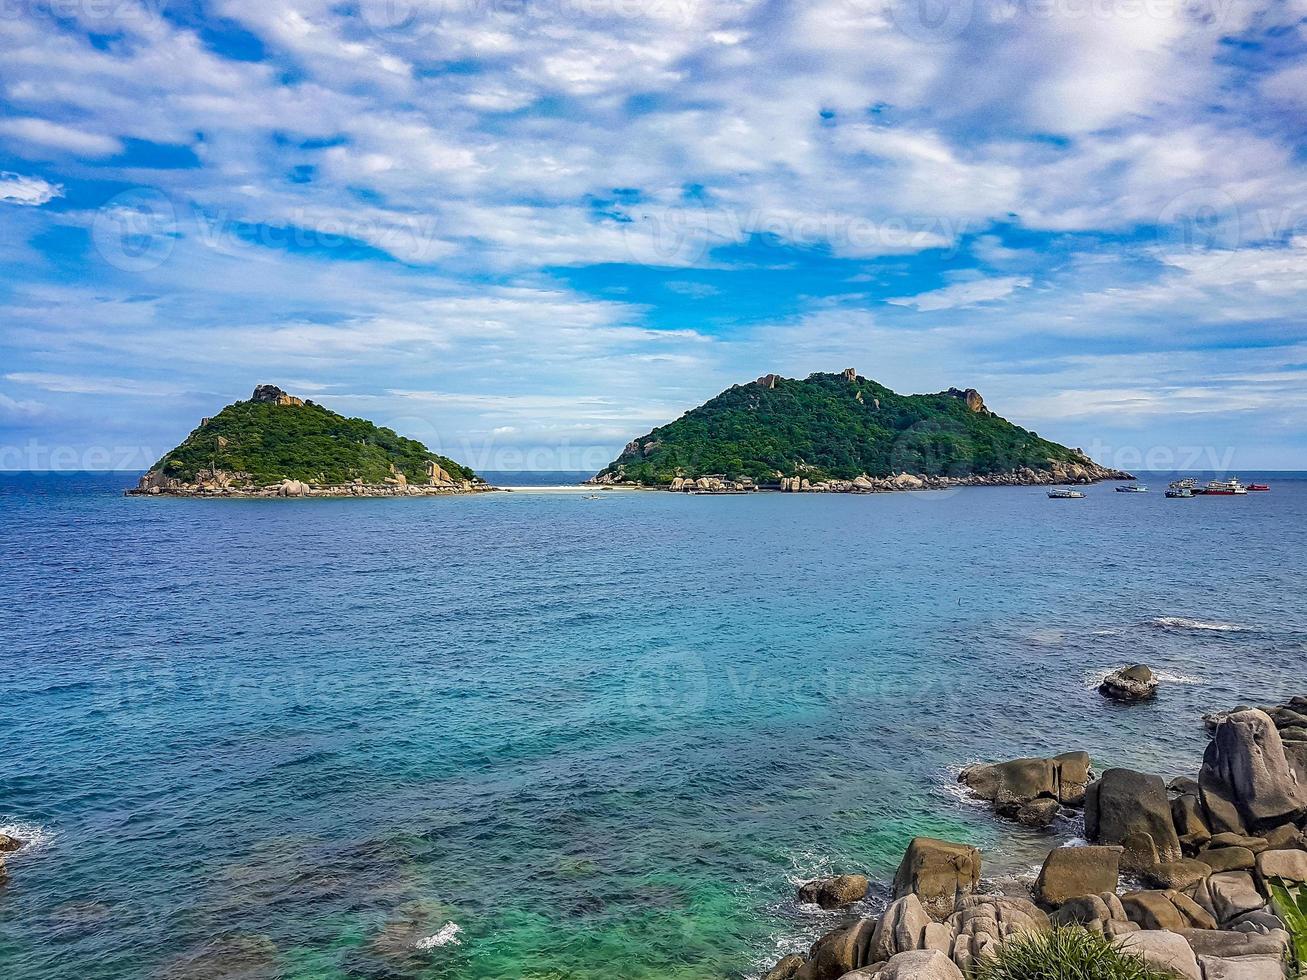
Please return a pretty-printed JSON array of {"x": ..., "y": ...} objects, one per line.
[
  {"x": 1223, "y": 488},
  {"x": 1180, "y": 492},
  {"x": 1064, "y": 493},
  {"x": 1188, "y": 483},
  {"x": 1132, "y": 488}
]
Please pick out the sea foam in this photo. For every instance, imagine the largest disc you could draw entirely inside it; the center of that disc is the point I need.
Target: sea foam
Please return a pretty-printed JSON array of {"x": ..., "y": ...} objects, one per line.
[
  {"x": 1096, "y": 677},
  {"x": 1184, "y": 623},
  {"x": 447, "y": 936},
  {"x": 34, "y": 836}
]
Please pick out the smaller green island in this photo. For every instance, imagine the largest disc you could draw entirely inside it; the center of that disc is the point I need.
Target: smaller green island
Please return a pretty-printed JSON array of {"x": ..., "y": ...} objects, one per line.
[{"x": 277, "y": 445}]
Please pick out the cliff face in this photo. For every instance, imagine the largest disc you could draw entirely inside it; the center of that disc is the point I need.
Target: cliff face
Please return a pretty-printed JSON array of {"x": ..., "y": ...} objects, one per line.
[
  {"x": 843, "y": 431},
  {"x": 277, "y": 444}
]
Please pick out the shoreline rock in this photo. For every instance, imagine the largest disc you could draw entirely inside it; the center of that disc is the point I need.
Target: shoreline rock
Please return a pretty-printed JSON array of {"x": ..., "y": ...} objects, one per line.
[
  {"x": 1137, "y": 683},
  {"x": 1208, "y": 916},
  {"x": 1083, "y": 474},
  {"x": 834, "y": 893},
  {"x": 151, "y": 485}
]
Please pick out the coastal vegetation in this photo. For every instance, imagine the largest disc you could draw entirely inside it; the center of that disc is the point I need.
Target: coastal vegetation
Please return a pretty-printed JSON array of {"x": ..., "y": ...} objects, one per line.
[
  {"x": 834, "y": 427},
  {"x": 1290, "y": 904},
  {"x": 1066, "y": 954},
  {"x": 274, "y": 438}
]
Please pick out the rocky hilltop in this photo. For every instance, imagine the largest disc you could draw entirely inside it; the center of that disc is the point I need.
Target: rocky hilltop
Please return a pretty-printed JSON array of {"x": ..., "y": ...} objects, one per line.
[
  {"x": 843, "y": 433},
  {"x": 277, "y": 445},
  {"x": 1201, "y": 879}
]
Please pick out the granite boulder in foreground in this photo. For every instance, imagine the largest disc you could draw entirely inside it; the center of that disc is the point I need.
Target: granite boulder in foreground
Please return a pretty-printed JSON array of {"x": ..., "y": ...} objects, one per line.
[
  {"x": 277, "y": 445},
  {"x": 1178, "y": 874}
]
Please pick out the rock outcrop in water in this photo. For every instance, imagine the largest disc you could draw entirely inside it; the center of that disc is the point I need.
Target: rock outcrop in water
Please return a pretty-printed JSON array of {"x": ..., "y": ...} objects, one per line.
[
  {"x": 1137, "y": 683},
  {"x": 1205, "y": 911},
  {"x": 277, "y": 445},
  {"x": 842, "y": 433},
  {"x": 1031, "y": 791}
]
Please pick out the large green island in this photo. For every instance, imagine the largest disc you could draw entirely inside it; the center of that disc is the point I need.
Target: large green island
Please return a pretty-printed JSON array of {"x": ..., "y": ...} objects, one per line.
[
  {"x": 844, "y": 433},
  {"x": 277, "y": 445}
]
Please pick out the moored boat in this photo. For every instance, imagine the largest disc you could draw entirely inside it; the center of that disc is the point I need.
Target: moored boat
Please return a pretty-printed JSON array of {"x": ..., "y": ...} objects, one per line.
[
  {"x": 1132, "y": 488},
  {"x": 1064, "y": 493},
  {"x": 1258, "y": 486},
  {"x": 1224, "y": 488},
  {"x": 1182, "y": 493}
]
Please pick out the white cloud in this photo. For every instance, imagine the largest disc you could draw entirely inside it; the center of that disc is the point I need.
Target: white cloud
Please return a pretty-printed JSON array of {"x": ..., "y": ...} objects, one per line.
[
  {"x": 31, "y": 191},
  {"x": 51, "y": 135},
  {"x": 78, "y": 385},
  {"x": 19, "y": 410},
  {"x": 964, "y": 294}
]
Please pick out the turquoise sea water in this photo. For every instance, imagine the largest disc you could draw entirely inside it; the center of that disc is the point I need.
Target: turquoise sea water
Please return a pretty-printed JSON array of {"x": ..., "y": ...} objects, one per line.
[{"x": 534, "y": 735}]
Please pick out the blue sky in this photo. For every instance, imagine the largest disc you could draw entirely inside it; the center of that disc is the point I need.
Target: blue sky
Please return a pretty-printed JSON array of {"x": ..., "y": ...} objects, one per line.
[{"x": 526, "y": 232}]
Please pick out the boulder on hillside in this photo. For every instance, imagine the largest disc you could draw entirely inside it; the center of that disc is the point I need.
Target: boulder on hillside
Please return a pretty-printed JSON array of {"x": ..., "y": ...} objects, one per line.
[
  {"x": 982, "y": 921},
  {"x": 1164, "y": 949},
  {"x": 1246, "y": 779},
  {"x": 939, "y": 873},
  {"x": 922, "y": 964},
  {"x": 838, "y": 952},
  {"x": 1137, "y": 683},
  {"x": 1190, "y": 820},
  {"x": 1289, "y": 866},
  {"x": 1241, "y": 968},
  {"x": 1227, "y": 895},
  {"x": 901, "y": 928},
  {"x": 1228, "y": 858},
  {"x": 1070, "y": 872},
  {"x": 1166, "y": 910},
  {"x": 833, "y": 893},
  {"x": 1124, "y": 802},
  {"x": 1176, "y": 875},
  {"x": 1229, "y": 944}
]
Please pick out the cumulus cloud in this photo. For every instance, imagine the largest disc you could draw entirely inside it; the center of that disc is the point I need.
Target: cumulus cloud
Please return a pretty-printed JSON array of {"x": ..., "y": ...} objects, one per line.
[
  {"x": 1114, "y": 153},
  {"x": 30, "y": 191}
]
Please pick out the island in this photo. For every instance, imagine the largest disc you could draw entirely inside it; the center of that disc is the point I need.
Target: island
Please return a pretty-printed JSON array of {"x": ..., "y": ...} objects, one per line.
[
  {"x": 843, "y": 433},
  {"x": 277, "y": 445}
]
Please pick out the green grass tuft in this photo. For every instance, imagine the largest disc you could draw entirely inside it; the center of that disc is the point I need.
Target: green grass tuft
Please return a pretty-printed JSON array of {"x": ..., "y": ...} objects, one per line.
[
  {"x": 1066, "y": 954},
  {"x": 1291, "y": 905}
]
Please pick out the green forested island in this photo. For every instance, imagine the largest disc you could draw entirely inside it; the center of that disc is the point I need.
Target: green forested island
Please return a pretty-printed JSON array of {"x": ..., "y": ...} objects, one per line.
[
  {"x": 275, "y": 440},
  {"x": 833, "y": 428}
]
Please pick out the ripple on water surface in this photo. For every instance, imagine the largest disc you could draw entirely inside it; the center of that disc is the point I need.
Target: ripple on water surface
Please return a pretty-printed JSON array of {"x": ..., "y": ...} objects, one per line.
[{"x": 526, "y": 736}]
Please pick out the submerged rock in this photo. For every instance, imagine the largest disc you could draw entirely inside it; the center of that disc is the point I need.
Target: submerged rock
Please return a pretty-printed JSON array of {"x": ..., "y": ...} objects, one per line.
[{"x": 1137, "y": 683}]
